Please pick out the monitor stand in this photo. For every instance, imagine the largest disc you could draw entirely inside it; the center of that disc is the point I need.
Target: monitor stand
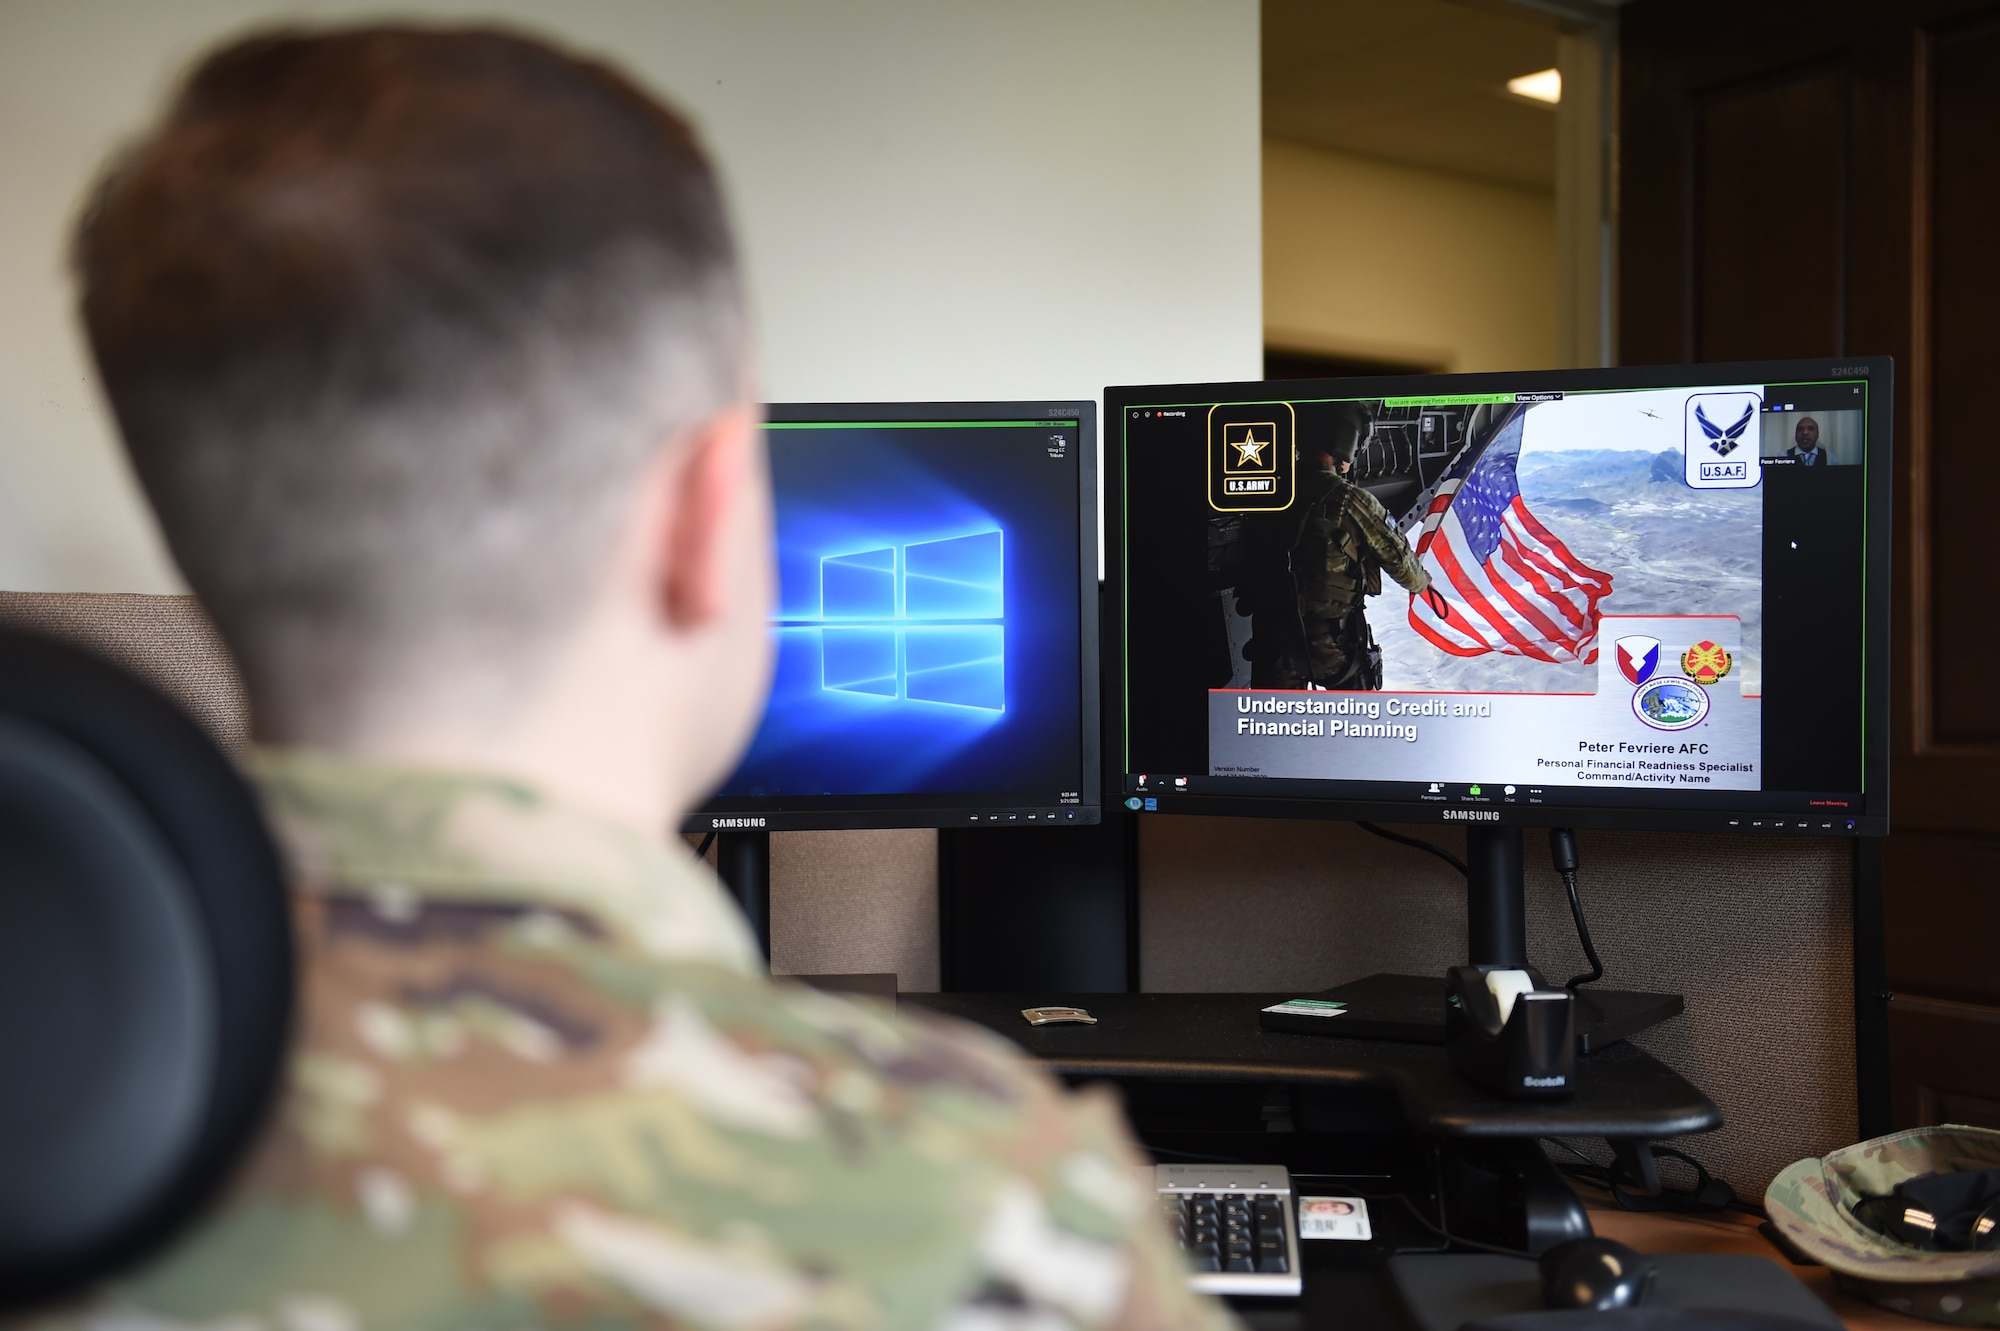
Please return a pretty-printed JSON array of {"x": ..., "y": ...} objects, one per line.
[
  {"x": 1410, "y": 1008},
  {"x": 743, "y": 861}
]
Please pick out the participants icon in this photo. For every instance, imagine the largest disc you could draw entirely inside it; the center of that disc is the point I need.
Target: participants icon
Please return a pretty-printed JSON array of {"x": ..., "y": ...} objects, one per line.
[
  {"x": 1638, "y": 658},
  {"x": 1706, "y": 662},
  {"x": 1252, "y": 464}
]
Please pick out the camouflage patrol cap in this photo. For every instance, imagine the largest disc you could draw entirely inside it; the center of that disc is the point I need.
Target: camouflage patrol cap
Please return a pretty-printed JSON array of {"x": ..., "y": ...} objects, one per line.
[{"x": 1812, "y": 1204}]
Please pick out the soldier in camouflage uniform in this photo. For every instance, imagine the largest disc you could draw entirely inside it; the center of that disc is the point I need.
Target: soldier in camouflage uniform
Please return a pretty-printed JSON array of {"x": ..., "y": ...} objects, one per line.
[
  {"x": 393, "y": 320},
  {"x": 1345, "y": 541},
  {"x": 1811, "y": 1203}
]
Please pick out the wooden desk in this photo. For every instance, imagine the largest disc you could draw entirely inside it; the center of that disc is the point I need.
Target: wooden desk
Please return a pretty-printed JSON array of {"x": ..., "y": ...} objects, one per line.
[{"x": 1733, "y": 1232}]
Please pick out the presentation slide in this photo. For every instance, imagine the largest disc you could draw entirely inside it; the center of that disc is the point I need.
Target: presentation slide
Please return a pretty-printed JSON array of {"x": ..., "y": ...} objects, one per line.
[{"x": 1593, "y": 611}]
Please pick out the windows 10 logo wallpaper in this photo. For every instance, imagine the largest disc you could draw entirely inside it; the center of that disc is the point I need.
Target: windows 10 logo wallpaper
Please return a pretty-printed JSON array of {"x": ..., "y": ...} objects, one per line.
[
  {"x": 927, "y": 618},
  {"x": 923, "y": 622}
]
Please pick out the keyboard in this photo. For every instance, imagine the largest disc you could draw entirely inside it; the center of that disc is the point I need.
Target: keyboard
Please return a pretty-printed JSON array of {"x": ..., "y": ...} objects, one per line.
[{"x": 1235, "y": 1224}]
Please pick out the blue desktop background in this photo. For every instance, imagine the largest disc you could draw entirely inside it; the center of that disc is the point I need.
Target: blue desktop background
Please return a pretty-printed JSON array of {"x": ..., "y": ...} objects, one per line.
[{"x": 926, "y": 628}]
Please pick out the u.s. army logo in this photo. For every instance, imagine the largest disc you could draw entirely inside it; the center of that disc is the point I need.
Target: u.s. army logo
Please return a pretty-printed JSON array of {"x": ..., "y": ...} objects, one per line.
[
  {"x": 1250, "y": 446},
  {"x": 1252, "y": 460}
]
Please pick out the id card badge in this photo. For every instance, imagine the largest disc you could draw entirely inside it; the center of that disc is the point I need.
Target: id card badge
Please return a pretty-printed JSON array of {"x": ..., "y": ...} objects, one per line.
[{"x": 1334, "y": 1218}]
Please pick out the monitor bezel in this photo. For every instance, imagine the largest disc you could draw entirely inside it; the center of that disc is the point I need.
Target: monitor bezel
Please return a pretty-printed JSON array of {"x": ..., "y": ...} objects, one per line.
[
  {"x": 872, "y": 813},
  {"x": 1878, "y": 499}
]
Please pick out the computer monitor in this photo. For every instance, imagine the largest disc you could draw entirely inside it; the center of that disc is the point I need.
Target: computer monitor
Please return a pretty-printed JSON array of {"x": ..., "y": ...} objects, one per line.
[
  {"x": 1657, "y": 599},
  {"x": 936, "y": 624}
]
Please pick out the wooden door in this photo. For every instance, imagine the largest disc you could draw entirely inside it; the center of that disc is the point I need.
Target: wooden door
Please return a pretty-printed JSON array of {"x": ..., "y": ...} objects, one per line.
[{"x": 1801, "y": 178}]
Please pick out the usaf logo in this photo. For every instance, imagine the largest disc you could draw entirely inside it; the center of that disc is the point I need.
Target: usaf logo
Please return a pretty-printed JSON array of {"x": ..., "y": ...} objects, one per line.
[
  {"x": 1720, "y": 452},
  {"x": 1638, "y": 658}
]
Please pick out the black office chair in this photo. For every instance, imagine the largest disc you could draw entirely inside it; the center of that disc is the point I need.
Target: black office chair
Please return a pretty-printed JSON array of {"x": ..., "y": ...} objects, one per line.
[{"x": 145, "y": 969}]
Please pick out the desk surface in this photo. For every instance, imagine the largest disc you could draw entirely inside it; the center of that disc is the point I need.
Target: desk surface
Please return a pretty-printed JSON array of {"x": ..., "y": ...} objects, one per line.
[
  {"x": 1734, "y": 1232},
  {"x": 1621, "y": 1092}
]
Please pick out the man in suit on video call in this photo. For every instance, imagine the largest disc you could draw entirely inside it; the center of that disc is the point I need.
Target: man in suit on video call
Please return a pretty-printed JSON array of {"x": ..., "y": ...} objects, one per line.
[{"x": 429, "y": 348}]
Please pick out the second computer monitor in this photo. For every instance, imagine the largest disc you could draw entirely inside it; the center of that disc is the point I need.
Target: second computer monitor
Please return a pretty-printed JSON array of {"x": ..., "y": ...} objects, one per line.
[
  {"x": 1634, "y": 597},
  {"x": 936, "y": 621}
]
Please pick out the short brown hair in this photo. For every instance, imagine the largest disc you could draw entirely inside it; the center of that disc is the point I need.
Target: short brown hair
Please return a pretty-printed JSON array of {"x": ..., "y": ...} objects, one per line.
[{"x": 390, "y": 318}]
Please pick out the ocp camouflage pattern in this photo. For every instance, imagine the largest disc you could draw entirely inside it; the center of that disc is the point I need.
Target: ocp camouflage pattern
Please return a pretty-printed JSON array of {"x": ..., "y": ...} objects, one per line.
[
  {"x": 539, "y": 1081},
  {"x": 1812, "y": 1202},
  {"x": 1347, "y": 542}
]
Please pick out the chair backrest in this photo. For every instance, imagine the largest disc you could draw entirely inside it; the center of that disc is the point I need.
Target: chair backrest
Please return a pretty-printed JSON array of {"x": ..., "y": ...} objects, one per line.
[
  {"x": 145, "y": 968},
  {"x": 167, "y": 641}
]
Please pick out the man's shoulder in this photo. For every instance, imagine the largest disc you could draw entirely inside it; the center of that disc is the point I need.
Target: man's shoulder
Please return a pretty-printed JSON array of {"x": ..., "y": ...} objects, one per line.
[
  {"x": 542, "y": 1004},
  {"x": 594, "y": 1128},
  {"x": 469, "y": 846}
]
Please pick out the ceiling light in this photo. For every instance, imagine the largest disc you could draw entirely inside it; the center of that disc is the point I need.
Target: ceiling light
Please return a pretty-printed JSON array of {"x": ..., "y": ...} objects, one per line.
[{"x": 1543, "y": 86}]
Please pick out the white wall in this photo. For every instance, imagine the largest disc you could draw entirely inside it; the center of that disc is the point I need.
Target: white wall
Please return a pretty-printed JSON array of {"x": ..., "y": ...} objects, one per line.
[
  {"x": 938, "y": 198},
  {"x": 1383, "y": 261}
]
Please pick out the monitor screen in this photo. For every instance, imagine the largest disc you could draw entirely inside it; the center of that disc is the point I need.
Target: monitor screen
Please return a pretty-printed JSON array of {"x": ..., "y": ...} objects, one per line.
[
  {"x": 936, "y": 621},
  {"x": 1646, "y": 597}
]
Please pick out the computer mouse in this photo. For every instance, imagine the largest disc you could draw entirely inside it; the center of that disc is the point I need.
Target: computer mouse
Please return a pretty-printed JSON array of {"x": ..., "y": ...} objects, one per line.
[{"x": 1598, "y": 1274}]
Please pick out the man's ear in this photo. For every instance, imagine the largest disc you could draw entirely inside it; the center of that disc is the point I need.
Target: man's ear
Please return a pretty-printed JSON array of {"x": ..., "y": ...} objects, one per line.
[{"x": 717, "y": 462}]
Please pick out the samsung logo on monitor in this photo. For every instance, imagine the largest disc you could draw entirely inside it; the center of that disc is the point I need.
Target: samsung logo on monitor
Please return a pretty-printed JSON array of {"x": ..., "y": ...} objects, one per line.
[
  {"x": 1472, "y": 815},
  {"x": 735, "y": 822}
]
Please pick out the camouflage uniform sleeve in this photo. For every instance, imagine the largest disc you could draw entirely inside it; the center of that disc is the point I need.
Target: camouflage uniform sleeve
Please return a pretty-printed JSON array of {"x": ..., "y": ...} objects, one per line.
[
  {"x": 1398, "y": 560},
  {"x": 500, "y": 1115}
]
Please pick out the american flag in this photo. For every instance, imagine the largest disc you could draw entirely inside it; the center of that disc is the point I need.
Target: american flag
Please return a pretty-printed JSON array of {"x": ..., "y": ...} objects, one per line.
[{"x": 1505, "y": 582}]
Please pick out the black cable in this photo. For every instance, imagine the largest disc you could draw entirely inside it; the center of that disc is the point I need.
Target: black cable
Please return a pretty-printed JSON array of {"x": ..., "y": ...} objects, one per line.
[
  {"x": 1346, "y": 1183},
  {"x": 1576, "y": 1151},
  {"x": 1708, "y": 1194},
  {"x": 1583, "y": 937},
  {"x": 1411, "y": 841},
  {"x": 1450, "y": 1237},
  {"x": 701, "y": 851},
  {"x": 1562, "y": 851}
]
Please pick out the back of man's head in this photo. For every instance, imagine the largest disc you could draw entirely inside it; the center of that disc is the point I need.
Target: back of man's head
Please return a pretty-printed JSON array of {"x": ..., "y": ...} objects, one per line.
[{"x": 392, "y": 319}]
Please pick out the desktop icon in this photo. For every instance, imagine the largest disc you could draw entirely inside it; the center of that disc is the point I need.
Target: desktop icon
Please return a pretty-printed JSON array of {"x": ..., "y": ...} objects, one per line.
[
  {"x": 1472, "y": 790},
  {"x": 1180, "y": 783},
  {"x": 1135, "y": 804},
  {"x": 1435, "y": 789},
  {"x": 1142, "y": 780},
  {"x": 1152, "y": 806},
  {"x": 1506, "y": 790}
]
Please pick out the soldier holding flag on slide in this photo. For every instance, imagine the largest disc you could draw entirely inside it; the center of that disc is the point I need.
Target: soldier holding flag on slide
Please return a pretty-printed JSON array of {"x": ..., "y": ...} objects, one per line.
[{"x": 1344, "y": 544}]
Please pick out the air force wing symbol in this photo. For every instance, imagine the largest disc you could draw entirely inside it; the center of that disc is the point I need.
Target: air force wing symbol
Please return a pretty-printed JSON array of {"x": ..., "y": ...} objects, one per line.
[
  {"x": 1638, "y": 658},
  {"x": 1717, "y": 453},
  {"x": 1724, "y": 440}
]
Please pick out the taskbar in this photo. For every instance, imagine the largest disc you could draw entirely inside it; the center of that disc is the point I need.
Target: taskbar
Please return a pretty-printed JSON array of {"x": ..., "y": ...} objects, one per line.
[
  {"x": 835, "y": 815},
  {"x": 1801, "y": 813}
]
